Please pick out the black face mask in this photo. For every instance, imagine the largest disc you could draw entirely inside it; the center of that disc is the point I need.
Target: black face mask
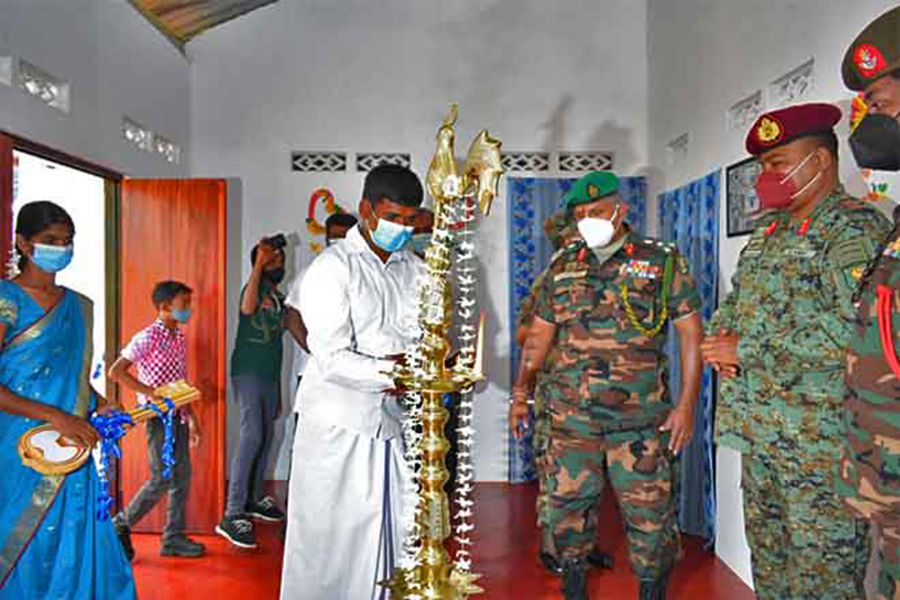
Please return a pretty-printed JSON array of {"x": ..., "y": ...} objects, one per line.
[
  {"x": 876, "y": 143},
  {"x": 276, "y": 276}
]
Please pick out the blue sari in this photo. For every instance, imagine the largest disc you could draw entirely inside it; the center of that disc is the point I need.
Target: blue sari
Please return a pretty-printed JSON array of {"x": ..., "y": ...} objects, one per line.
[{"x": 51, "y": 543}]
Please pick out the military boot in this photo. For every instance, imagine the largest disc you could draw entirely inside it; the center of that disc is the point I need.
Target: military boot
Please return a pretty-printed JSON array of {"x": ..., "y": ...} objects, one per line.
[
  {"x": 551, "y": 563},
  {"x": 654, "y": 590},
  {"x": 575, "y": 580},
  {"x": 600, "y": 559}
]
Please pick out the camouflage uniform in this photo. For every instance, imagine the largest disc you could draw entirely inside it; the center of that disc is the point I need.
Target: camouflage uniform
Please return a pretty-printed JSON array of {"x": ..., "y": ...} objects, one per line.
[
  {"x": 791, "y": 307},
  {"x": 559, "y": 230},
  {"x": 605, "y": 385},
  {"x": 870, "y": 469}
]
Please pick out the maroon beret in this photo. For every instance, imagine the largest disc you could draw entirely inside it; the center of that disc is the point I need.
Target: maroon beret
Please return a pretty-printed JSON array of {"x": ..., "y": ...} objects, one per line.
[{"x": 778, "y": 127}]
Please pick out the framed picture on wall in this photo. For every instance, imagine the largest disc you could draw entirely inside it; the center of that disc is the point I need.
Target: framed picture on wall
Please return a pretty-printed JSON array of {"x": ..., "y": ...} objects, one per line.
[{"x": 740, "y": 196}]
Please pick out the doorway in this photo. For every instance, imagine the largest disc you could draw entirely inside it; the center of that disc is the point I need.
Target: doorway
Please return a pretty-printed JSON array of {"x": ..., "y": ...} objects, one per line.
[{"x": 83, "y": 196}]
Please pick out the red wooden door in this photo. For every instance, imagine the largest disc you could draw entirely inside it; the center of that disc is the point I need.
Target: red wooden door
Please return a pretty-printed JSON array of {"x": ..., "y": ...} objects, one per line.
[{"x": 175, "y": 229}]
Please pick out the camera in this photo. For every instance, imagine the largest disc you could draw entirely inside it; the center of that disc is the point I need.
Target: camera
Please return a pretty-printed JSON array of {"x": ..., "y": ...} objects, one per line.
[{"x": 277, "y": 241}]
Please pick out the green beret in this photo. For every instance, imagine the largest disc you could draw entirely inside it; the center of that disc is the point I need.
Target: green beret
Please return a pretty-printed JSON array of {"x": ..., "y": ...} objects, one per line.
[
  {"x": 874, "y": 53},
  {"x": 593, "y": 186}
]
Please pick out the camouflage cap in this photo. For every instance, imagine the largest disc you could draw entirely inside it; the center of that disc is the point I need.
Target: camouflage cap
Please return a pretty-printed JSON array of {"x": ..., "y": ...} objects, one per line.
[
  {"x": 593, "y": 186},
  {"x": 874, "y": 53}
]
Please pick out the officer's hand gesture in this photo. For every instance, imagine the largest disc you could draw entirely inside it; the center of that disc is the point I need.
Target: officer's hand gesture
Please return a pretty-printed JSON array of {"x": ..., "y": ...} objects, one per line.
[
  {"x": 720, "y": 351},
  {"x": 681, "y": 424},
  {"x": 518, "y": 414}
]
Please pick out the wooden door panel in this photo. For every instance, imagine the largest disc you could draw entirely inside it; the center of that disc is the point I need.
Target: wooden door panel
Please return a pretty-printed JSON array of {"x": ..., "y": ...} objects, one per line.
[{"x": 176, "y": 229}]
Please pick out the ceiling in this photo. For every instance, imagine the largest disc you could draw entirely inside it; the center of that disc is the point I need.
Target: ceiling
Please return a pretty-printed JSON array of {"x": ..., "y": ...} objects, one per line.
[{"x": 182, "y": 20}]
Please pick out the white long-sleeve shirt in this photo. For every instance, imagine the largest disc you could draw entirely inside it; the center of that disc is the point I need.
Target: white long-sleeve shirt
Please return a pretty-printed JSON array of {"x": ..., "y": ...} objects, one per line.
[
  {"x": 357, "y": 311},
  {"x": 293, "y": 301}
]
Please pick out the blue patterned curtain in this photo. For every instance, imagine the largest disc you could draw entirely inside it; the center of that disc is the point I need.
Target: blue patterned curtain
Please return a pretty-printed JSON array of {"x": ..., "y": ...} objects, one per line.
[
  {"x": 531, "y": 201},
  {"x": 689, "y": 216}
]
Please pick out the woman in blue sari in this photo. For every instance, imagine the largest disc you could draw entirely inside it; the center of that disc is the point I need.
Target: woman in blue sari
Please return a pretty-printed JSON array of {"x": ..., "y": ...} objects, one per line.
[{"x": 51, "y": 543}]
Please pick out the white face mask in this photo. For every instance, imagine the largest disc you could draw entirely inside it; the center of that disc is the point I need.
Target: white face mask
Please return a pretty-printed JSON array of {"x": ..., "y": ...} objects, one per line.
[{"x": 598, "y": 233}]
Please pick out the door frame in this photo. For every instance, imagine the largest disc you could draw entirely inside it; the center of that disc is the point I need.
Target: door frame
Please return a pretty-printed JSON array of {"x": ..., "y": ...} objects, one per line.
[{"x": 9, "y": 144}]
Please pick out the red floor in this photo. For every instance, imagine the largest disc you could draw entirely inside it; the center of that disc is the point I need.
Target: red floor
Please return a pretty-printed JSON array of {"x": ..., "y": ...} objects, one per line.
[{"x": 505, "y": 552}]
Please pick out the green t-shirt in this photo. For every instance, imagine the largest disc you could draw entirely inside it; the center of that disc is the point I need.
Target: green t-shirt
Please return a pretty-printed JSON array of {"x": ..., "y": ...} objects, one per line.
[{"x": 258, "y": 348}]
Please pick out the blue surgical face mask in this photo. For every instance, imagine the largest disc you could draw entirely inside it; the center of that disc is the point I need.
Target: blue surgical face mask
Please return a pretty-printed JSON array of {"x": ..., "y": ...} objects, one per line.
[
  {"x": 390, "y": 236},
  {"x": 420, "y": 243},
  {"x": 182, "y": 315},
  {"x": 52, "y": 259}
]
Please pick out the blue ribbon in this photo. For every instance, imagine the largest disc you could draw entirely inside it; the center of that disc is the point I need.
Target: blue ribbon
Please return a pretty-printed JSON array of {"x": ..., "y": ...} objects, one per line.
[
  {"x": 111, "y": 427},
  {"x": 168, "y": 453}
]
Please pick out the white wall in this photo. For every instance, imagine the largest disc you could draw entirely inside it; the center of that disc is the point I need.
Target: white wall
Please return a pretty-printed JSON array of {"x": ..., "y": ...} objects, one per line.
[
  {"x": 358, "y": 76},
  {"x": 706, "y": 55},
  {"x": 116, "y": 64}
]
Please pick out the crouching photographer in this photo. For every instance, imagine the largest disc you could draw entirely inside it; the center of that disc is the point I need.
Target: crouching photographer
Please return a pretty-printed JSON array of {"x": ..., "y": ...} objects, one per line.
[{"x": 256, "y": 377}]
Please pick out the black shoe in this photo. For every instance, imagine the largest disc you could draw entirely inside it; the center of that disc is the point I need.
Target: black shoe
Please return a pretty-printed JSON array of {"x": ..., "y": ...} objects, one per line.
[
  {"x": 182, "y": 547},
  {"x": 600, "y": 559},
  {"x": 575, "y": 580},
  {"x": 238, "y": 531},
  {"x": 266, "y": 510},
  {"x": 124, "y": 533},
  {"x": 550, "y": 563},
  {"x": 654, "y": 590}
]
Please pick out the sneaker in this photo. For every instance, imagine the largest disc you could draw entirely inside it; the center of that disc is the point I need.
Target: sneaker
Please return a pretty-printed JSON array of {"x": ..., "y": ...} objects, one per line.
[
  {"x": 265, "y": 510},
  {"x": 124, "y": 533},
  {"x": 238, "y": 531},
  {"x": 182, "y": 547}
]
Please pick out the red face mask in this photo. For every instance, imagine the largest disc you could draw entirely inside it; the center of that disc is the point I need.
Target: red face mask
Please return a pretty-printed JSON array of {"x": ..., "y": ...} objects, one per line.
[{"x": 775, "y": 191}]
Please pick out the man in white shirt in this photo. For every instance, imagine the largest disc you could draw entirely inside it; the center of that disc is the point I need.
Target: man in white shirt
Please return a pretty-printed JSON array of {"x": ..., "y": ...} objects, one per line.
[
  {"x": 359, "y": 303},
  {"x": 336, "y": 228}
]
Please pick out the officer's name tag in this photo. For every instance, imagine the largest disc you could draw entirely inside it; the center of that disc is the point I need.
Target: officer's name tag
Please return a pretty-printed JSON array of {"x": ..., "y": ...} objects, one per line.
[
  {"x": 569, "y": 275},
  {"x": 799, "y": 252}
]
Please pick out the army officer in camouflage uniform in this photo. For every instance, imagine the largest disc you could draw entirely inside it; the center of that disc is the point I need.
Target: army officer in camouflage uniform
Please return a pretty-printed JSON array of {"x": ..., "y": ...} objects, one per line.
[
  {"x": 783, "y": 334},
  {"x": 870, "y": 473},
  {"x": 599, "y": 333},
  {"x": 560, "y": 231}
]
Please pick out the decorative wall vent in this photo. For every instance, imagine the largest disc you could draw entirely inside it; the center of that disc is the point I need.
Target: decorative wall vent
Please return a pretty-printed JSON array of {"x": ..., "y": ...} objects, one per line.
[
  {"x": 319, "y": 162},
  {"x": 580, "y": 162},
  {"x": 366, "y": 161},
  {"x": 742, "y": 115},
  {"x": 677, "y": 149},
  {"x": 792, "y": 87},
  {"x": 169, "y": 150},
  {"x": 523, "y": 162},
  {"x": 137, "y": 134},
  {"x": 43, "y": 86}
]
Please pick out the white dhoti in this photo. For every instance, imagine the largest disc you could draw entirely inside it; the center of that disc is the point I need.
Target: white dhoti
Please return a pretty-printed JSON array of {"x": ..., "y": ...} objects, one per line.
[{"x": 345, "y": 531}]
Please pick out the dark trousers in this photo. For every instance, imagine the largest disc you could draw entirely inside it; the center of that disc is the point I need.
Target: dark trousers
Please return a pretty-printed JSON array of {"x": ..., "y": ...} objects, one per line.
[
  {"x": 259, "y": 401},
  {"x": 177, "y": 486}
]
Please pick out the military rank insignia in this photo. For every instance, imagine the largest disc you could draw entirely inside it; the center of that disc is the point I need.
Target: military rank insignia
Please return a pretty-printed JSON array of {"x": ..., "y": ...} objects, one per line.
[
  {"x": 642, "y": 269},
  {"x": 869, "y": 60},
  {"x": 770, "y": 131},
  {"x": 893, "y": 249}
]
